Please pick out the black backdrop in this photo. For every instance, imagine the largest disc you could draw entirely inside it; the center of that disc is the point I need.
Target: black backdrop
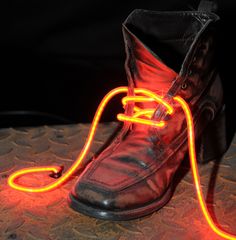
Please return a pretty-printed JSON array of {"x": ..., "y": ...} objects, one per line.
[{"x": 60, "y": 57}]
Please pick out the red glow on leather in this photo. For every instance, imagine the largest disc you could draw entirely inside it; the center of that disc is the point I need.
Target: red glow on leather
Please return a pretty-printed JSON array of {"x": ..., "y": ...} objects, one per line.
[
  {"x": 150, "y": 67},
  {"x": 140, "y": 116}
]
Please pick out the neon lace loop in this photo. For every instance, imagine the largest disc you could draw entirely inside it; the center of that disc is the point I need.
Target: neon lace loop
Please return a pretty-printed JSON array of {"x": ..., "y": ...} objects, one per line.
[{"x": 140, "y": 116}]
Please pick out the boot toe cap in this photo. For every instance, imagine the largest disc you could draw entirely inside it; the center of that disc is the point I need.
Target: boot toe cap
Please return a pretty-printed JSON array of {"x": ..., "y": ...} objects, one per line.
[{"x": 93, "y": 196}]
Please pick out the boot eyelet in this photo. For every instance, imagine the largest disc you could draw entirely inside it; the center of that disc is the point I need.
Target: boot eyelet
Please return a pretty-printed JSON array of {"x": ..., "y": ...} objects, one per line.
[
  {"x": 204, "y": 18},
  {"x": 190, "y": 72},
  {"x": 184, "y": 86}
]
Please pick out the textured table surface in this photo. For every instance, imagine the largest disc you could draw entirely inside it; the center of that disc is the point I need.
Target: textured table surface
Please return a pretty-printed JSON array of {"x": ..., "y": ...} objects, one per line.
[{"x": 47, "y": 216}]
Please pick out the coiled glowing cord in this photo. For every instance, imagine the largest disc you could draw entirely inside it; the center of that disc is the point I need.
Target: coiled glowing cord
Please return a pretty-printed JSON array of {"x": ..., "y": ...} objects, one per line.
[{"x": 140, "y": 116}]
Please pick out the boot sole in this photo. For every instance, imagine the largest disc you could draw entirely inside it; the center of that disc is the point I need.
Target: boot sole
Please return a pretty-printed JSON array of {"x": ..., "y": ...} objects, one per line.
[{"x": 120, "y": 215}]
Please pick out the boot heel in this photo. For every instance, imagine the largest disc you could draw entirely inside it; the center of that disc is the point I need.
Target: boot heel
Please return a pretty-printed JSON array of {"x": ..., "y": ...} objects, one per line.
[{"x": 213, "y": 142}]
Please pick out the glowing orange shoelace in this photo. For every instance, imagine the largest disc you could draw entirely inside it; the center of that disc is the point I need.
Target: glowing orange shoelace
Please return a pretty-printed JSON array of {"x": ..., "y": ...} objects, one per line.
[{"x": 141, "y": 116}]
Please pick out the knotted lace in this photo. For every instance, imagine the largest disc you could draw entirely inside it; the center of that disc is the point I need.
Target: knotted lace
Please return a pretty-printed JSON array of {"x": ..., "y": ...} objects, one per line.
[{"x": 140, "y": 116}]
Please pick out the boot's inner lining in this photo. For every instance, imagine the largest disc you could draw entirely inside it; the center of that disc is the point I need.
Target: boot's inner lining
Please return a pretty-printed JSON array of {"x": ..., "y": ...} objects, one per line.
[{"x": 167, "y": 35}]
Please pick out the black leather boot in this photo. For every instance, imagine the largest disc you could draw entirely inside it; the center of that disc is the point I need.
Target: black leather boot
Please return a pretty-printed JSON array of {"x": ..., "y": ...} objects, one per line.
[{"x": 169, "y": 53}]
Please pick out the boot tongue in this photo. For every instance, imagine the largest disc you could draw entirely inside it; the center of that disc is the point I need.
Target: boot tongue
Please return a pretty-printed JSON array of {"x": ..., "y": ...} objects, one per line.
[
  {"x": 146, "y": 69},
  {"x": 151, "y": 73}
]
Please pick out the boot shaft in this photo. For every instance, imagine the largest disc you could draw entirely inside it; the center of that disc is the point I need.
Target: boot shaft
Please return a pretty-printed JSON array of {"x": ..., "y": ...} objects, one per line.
[{"x": 168, "y": 51}]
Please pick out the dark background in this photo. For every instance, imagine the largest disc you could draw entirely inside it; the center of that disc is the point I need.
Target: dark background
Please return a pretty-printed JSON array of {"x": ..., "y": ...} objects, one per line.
[{"x": 59, "y": 58}]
